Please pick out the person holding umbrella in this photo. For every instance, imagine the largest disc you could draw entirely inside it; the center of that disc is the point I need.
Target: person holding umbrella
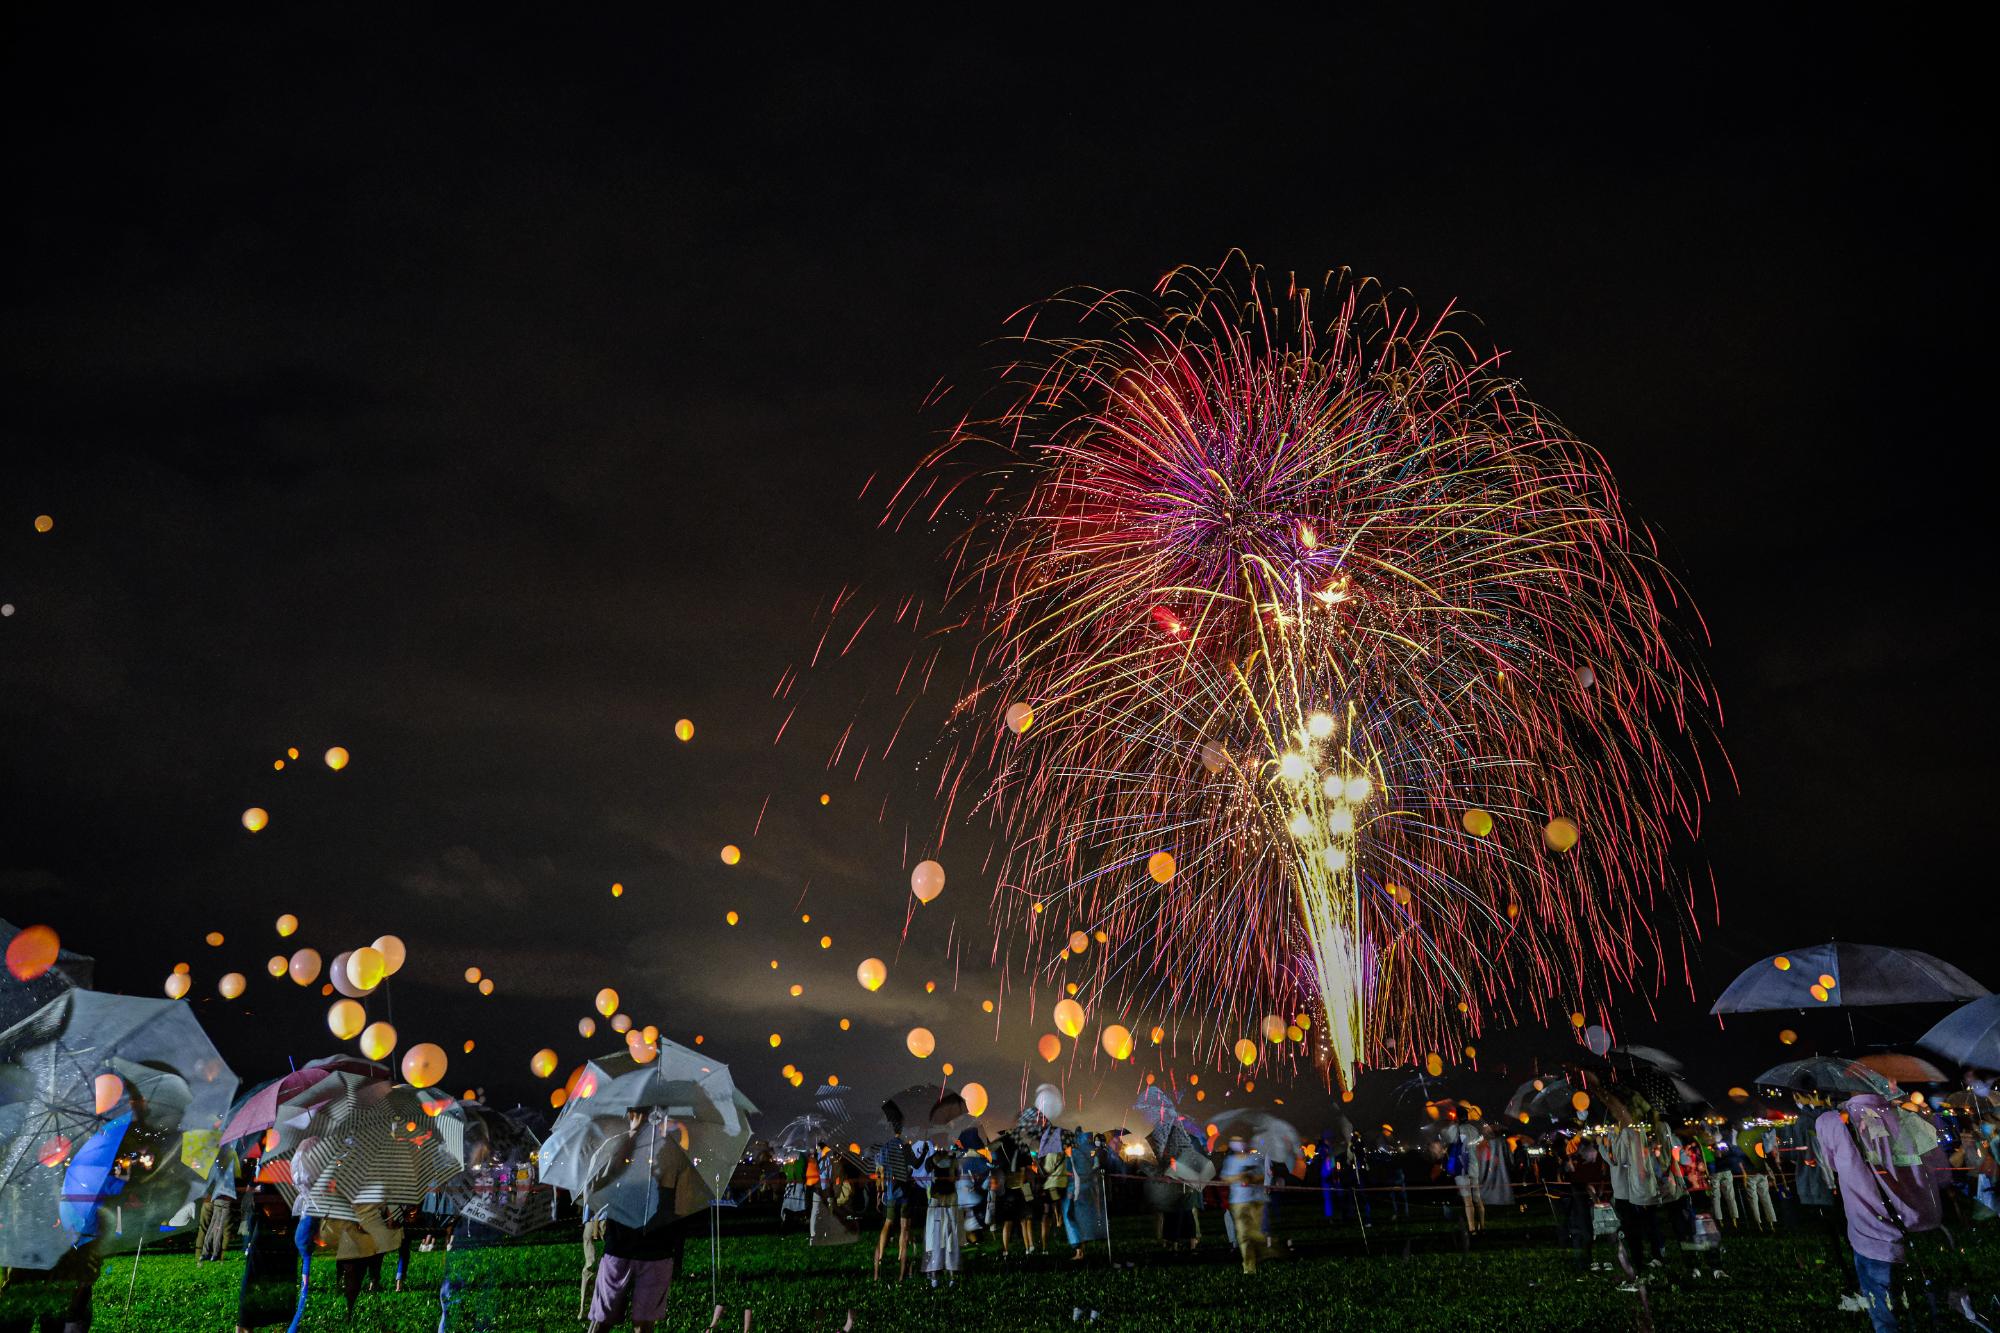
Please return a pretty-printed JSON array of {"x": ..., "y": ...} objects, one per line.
[
  {"x": 898, "y": 1192},
  {"x": 1888, "y": 1166},
  {"x": 1248, "y": 1174},
  {"x": 636, "y": 1270}
]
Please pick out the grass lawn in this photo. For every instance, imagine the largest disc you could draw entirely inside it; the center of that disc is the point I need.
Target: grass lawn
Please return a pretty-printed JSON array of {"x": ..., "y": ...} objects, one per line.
[{"x": 1411, "y": 1277}]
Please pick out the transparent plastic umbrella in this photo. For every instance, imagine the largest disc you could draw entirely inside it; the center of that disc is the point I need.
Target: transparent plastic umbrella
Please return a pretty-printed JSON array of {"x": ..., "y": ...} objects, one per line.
[{"x": 68, "y": 1070}]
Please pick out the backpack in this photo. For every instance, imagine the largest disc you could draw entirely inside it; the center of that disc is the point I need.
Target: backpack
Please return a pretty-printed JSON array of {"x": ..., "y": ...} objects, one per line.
[{"x": 1455, "y": 1159}]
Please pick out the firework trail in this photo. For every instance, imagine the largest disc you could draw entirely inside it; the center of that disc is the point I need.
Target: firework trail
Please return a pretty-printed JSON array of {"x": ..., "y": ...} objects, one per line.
[{"x": 1330, "y": 614}]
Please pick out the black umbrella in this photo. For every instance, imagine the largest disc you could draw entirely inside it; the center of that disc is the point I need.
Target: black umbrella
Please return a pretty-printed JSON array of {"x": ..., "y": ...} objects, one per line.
[{"x": 1860, "y": 974}]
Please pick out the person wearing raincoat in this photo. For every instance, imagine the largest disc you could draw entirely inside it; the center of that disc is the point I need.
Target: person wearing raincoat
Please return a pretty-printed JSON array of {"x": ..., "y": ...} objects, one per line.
[
  {"x": 944, "y": 1229},
  {"x": 1889, "y": 1169},
  {"x": 973, "y": 1170}
]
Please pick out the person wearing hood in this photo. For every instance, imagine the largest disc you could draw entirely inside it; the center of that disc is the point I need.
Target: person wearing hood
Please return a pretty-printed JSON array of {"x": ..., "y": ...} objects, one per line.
[{"x": 1889, "y": 1169}]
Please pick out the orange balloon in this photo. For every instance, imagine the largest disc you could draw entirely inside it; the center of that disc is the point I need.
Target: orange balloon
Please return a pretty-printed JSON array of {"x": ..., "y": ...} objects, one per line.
[
  {"x": 872, "y": 973},
  {"x": 1160, "y": 865},
  {"x": 1117, "y": 1042},
  {"x": 33, "y": 952},
  {"x": 106, "y": 1089},
  {"x": 1068, "y": 1015},
  {"x": 1050, "y": 1046},
  {"x": 921, "y": 1042},
  {"x": 423, "y": 1064}
]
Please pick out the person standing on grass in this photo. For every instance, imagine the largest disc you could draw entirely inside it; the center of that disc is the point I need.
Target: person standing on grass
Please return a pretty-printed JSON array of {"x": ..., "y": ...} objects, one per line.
[
  {"x": 1889, "y": 1168},
  {"x": 1248, "y": 1176},
  {"x": 893, "y": 1161},
  {"x": 1756, "y": 1175},
  {"x": 1813, "y": 1210},
  {"x": 1730, "y": 1166},
  {"x": 270, "y": 1262},
  {"x": 944, "y": 1227},
  {"x": 1589, "y": 1185},
  {"x": 1635, "y": 1188},
  {"x": 635, "y": 1274}
]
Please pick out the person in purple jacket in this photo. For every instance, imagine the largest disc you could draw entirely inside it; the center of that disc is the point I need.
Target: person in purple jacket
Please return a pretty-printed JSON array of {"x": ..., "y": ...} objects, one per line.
[{"x": 1888, "y": 1167}]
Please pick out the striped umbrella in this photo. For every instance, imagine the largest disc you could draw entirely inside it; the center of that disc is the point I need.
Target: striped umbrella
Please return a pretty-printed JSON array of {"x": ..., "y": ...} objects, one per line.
[{"x": 385, "y": 1150}]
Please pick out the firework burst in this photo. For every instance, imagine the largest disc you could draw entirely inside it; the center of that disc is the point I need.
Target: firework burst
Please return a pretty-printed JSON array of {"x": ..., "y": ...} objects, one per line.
[{"x": 1329, "y": 612}]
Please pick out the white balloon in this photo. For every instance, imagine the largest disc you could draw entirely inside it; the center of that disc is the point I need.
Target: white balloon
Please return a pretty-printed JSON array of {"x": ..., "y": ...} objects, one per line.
[
  {"x": 1049, "y": 1100},
  {"x": 1597, "y": 1039}
]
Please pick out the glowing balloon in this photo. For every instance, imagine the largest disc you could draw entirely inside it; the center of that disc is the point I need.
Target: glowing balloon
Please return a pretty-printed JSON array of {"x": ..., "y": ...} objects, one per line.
[
  {"x": 543, "y": 1062},
  {"x": 275, "y": 965},
  {"x": 230, "y": 985},
  {"x": 1050, "y": 1046},
  {"x": 255, "y": 818},
  {"x": 927, "y": 881},
  {"x": 345, "y": 1018},
  {"x": 777, "y": 1040},
  {"x": 468, "y": 1049},
  {"x": 1819, "y": 992},
  {"x": 684, "y": 730},
  {"x": 921, "y": 1042},
  {"x": 1068, "y": 1016},
  {"x": 1560, "y": 835},
  {"x": 1274, "y": 1028},
  {"x": 557, "y": 1097},
  {"x": 33, "y": 952},
  {"x": 366, "y": 967},
  {"x": 393, "y": 954},
  {"x": 1158, "y": 1035},
  {"x": 1160, "y": 865},
  {"x": 586, "y": 1027},
  {"x": 1580, "y": 1100},
  {"x": 731, "y": 854},
  {"x": 607, "y": 1002},
  {"x": 105, "y": 1090},
  {"x": 1576, "y": 1019},
  {"x": 1246, "y": 1051},
  {"x": 1586, "y": 676},
  {"x": 53, "y": 1151},
  {"x": 423, "y": 1064},
  {"x": 1596, "y": 1039},
  {"x": 213, "y": 939},
  {"x": 797, "y": 990},
  {"x": 377, "y": 1040},
  {"x": 872, "y": 973},
  {"x": 1788, "y": 1036},
  {"x": 1078, "y": 941},
  {"x": 975, "y": 1099},
  {"x": 177, "y": 985},
  {"x": 1117, "y": 1042},
  {"x": 336, "y": 759},
  {"x": 1213, "y": 757},
  {"x": 1049, "y": 1100},
  {"x": 287, "y": 925},
  {"x": 304, "y": 966},
  {"x": 1477, "y": 822},
  {"x": 486, "y": 985},
  {"x": 1019, "y": 718},
  {"x": 641, "y": 1050},
  {"x": 621, "y": 1022},
  {"x": 1434, "y": 1064}
]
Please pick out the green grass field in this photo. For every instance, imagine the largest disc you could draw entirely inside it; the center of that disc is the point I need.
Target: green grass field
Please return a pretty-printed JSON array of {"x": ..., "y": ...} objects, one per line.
[{"x": 1411, "y": 1277}]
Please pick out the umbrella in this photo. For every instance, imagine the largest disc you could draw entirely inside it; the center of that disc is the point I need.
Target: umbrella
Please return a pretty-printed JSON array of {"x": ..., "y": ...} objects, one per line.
[
  {"x": 387, "y": 1149},
  {"x": 1273, "y": 1137},
  {"x": 1904, "y": 1068},
  {"x": 48, "y": 1111},
  {"x": 259, "y": 1111},
  {"x": 946, "y": 1109},
  {"x": 1542, "y": 1096},
  {"x": 498, "y": 1183},
  {"x": 1821, "y": 1073},
  {"x": 691, "y": 1090},
  {"x": 1863, "y": 974},
  {"x": 802, "y": 1134},
  {"x": 1969, "y": 1036}
]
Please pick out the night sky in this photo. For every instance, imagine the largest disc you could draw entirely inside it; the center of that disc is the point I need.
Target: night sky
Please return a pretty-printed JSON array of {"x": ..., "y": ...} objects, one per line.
[{"x": 483, "y": 397}]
